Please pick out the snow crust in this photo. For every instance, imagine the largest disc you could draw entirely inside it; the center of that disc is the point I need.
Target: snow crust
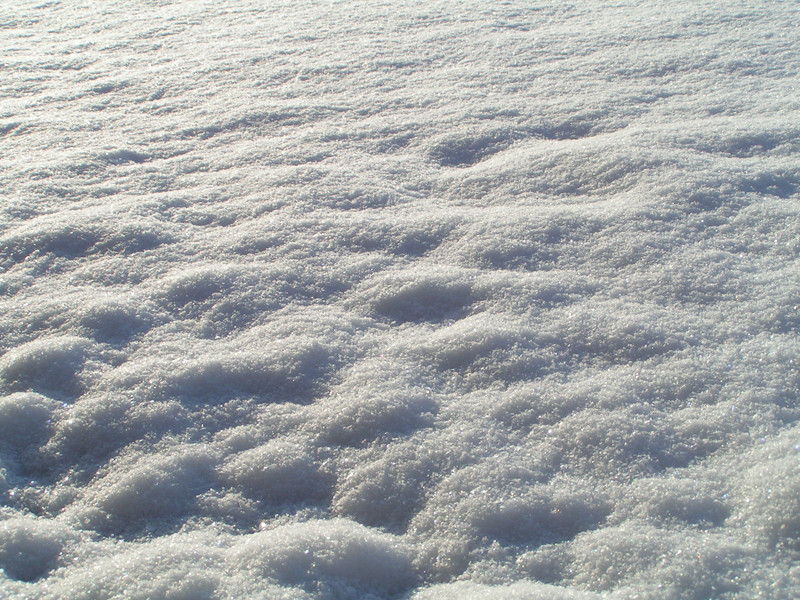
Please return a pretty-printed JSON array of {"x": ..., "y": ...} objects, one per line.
[{"x": 413, "y": 300}]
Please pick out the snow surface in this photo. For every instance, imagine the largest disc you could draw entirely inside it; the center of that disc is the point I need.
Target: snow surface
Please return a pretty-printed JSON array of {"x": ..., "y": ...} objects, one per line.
[{"x": 420, "y": 300}]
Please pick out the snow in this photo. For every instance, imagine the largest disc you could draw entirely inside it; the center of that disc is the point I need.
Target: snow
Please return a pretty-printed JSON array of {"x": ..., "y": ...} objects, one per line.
[{"x": 412, "y": 300}]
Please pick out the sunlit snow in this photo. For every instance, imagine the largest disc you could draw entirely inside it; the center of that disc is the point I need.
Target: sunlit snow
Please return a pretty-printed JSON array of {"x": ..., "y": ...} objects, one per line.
[{"x": 405, "y": 300}]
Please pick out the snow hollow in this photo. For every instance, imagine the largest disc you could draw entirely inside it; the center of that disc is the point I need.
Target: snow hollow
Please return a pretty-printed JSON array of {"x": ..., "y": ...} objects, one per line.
[{"x": 399, "y": 300}]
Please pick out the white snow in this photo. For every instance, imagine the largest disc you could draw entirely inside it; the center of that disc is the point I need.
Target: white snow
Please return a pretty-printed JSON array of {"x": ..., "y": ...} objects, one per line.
[{"x": 413, "y": 300}]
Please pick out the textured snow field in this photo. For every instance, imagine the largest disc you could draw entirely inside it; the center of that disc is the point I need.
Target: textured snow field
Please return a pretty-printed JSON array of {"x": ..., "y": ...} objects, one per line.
[{"x": 413, "y": 300}]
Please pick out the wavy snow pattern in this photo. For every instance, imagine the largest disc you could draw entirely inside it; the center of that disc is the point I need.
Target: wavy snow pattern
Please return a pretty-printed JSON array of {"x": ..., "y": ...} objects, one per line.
[{"x": 420, "y": 301}]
